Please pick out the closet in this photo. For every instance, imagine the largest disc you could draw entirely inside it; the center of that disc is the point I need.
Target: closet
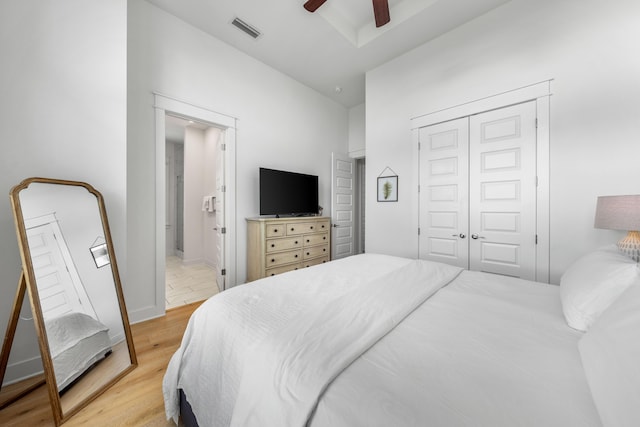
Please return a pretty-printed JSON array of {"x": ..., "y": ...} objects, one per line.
[{"x": 478, "y": 191}]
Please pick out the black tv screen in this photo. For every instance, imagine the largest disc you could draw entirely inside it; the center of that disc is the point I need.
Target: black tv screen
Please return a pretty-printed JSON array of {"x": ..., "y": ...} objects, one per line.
[{"x": 287, "y": 193}]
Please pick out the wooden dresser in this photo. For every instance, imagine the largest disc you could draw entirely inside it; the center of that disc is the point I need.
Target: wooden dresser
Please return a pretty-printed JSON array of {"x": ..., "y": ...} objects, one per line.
[{"x": 276, "y": 245}]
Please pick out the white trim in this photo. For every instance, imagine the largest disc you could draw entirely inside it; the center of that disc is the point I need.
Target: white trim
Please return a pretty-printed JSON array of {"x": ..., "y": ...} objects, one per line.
[
  {"x": 541, "y": 93},
  {"x": 164, "y": 104},
  {"x": 357, "y": 154},
  {"x": 516, "y": 96},
  {"x": 543, "y": 250},
  {"x": 167, "y": 103}
]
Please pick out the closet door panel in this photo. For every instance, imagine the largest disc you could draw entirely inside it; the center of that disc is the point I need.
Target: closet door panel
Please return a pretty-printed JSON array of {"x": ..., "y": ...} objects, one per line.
[
  {"x": 444, "y": 197},
  {"x": 502, "y": 191}
]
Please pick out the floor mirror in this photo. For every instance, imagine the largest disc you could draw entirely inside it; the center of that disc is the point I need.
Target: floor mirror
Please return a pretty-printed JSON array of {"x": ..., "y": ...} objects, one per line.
[{"x": 70, "y": 275}]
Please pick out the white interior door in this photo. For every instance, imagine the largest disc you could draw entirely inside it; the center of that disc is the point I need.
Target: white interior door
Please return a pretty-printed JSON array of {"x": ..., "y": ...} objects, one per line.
[
  {"x": 55, "y": 273},
  {"x": 342, "y": 206},
  {"x": 444, "y": 198},
  {"x": 503, "y": 191},
  {"x": 220, "y": 224}
]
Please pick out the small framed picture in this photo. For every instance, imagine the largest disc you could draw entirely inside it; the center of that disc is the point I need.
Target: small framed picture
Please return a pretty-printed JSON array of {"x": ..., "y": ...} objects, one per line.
[
  {"x": 388, "y": 188},
  {"x": 100, "y": 255}
]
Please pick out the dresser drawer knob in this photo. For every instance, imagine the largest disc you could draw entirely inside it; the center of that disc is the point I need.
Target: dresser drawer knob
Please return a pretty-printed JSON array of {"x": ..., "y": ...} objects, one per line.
[
  {"x": 273, "y": 274},
  {"x": 324, "y": 238},
  {"x": 296, "y": 256},
  {"x": 312, "y": 227},
  {"x": 292, "y": 228},
  {"x": 296, "y": 242},
  {"x": 275, "y": 230},
  {"x": 308, "y": 240},
  {"x": 273, "y": 260},
  {"x": 322, "y": 226},
  {"x": 273, "y": 245},
  {"x": 307, "y": 253},
  {"x": 324, "y": 249}
]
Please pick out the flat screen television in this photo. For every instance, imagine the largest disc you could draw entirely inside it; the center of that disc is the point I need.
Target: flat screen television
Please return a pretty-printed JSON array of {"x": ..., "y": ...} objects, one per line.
[{"x": 288, "y": 193}]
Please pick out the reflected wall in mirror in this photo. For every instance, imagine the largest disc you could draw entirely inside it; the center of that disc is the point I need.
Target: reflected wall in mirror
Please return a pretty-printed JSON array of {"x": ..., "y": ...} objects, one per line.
[{"x": 70, "y": 271}]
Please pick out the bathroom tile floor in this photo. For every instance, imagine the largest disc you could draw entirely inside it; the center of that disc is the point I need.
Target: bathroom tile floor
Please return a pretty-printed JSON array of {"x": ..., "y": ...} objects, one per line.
[{"x": 188, "y": 283}]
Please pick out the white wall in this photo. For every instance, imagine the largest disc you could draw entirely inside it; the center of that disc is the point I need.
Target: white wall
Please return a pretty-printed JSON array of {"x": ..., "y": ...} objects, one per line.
[
  {"x": 357, "y": 140},
  {"x": 282, "y": 124},
  {"x": 62, "y": 115},
  {"x": 588, "y": 47},
  {"x": 194, "y": 166}
]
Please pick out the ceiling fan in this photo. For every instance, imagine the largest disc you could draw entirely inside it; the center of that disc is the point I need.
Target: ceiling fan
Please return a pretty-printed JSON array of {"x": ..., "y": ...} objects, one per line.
[{"x": 380, "y": 10}]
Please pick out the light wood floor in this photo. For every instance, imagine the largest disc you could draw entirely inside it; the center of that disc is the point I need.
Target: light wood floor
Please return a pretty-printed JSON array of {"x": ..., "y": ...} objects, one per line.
[{"x": 136, "y": 400}]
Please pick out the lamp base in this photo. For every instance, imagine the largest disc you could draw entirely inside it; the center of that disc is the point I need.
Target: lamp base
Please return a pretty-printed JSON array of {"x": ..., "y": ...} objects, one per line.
[{"x": 630, "y": 245}]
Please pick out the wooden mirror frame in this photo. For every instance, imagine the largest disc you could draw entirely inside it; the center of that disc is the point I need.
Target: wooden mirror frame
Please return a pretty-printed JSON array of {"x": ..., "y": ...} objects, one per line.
[{"x": 28, "y": 282}]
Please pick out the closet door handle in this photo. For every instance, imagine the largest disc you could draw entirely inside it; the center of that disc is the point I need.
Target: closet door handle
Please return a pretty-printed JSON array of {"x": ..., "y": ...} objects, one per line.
[
  {"x": 461, "y": 235},
  {"x": 476, "y": 237}
]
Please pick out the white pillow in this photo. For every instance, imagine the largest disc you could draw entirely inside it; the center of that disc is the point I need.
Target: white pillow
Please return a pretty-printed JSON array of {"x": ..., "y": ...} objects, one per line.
[
  {"x": 593, "y": 282},
  {"x": 610, "y": 354}
]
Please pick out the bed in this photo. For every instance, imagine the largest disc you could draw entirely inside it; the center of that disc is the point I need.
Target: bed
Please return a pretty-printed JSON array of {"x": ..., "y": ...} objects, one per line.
[
  {"x": 77, "y": 342},
  {"x": 376, "y": 340}
]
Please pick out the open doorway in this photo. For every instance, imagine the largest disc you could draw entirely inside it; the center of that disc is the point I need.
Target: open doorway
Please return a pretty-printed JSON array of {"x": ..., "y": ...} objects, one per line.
[
  {"x": 190, "y": 159},
  {"x": 203, "y": 231}
]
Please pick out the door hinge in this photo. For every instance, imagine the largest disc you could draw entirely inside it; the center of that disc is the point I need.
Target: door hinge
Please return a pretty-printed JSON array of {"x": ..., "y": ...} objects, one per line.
[
  {"x": 536, "y": 239},
  {"x": 419, "y": 146},
  {"x": 536, "y": 181},
  {"x": 418, "y": 188},
  {"x": 223, "y": 189},
  {"x": 223, "y": 230},
  {"x": 223, "y": 272},
  {"x": 536, "y": 123},
  {"x": 418, "y": 231},
  {"x": 223, "y": 147}
]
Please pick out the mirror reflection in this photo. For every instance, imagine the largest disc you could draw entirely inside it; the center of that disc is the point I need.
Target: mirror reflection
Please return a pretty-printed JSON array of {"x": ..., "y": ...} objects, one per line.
[{"x": 80, "y": 299}]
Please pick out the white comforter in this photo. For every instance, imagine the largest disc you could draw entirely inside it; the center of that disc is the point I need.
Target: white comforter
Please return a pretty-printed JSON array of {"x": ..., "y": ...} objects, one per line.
[
  {"x": 322, "y": 347},
  {"x": 213, "y": 367}
]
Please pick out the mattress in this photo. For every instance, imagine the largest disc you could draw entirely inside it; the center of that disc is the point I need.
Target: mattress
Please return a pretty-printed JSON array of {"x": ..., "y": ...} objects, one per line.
[
  {"x": 476, "y": 349},
  {"x": 76, "y": 343}
]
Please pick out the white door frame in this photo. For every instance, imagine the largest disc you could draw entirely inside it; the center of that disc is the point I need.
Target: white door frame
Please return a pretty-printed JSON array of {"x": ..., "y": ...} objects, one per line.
[
  {"x": 163, "y": 105},
  {"x": 539, "y": 92}
]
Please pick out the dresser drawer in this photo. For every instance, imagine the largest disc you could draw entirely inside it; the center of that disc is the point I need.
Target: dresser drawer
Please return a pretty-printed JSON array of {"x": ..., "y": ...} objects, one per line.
[
  {"x": 323, "y": 225},
  {"x": 315, "y": 251},
  {"x": 283, "y": 269},
  {"x": 297, "y": 228},
  {"x": 316, "y": 261},
  {"x": 275, "y": 230},
  {"x": 282, "y": 258},
  {"x": 316, "y": 239},
  {"x": 275, "y": 245}
]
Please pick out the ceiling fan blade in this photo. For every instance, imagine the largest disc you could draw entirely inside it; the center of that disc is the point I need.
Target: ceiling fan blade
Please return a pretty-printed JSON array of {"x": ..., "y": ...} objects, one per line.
[
  {"x": 381, "y": 12},
  {"x": 313, "y": 5}
]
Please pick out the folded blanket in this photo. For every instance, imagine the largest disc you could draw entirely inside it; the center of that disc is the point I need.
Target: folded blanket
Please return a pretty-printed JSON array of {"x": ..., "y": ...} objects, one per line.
[{"x": 287, "y": 372}]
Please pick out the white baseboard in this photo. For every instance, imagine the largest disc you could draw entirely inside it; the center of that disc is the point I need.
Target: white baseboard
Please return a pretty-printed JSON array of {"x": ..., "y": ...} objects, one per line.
[{"x": 22, "y": 370}]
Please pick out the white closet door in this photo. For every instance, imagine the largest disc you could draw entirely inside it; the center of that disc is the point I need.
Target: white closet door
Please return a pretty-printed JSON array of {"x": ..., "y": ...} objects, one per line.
[
  {"x": 502, "y": 193},
  {"x": 444, "y": 198}
]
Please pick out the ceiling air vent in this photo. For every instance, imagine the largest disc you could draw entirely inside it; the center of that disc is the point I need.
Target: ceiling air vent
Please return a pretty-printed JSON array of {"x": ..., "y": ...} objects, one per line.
[{"x": 239, "y": 23}]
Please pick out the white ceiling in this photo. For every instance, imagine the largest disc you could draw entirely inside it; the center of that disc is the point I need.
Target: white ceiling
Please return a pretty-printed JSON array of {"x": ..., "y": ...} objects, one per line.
[
  {"x": 333, "y": 47},
  {"x": 174, "y": 128}
]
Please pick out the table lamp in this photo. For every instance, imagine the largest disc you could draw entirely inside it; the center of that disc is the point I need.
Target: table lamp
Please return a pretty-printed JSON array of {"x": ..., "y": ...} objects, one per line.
[{"x": 621, "y": 213}]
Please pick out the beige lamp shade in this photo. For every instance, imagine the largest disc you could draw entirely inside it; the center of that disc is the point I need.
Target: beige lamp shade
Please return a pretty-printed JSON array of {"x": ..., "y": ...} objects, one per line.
[{"x": 621, "y": 213}]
